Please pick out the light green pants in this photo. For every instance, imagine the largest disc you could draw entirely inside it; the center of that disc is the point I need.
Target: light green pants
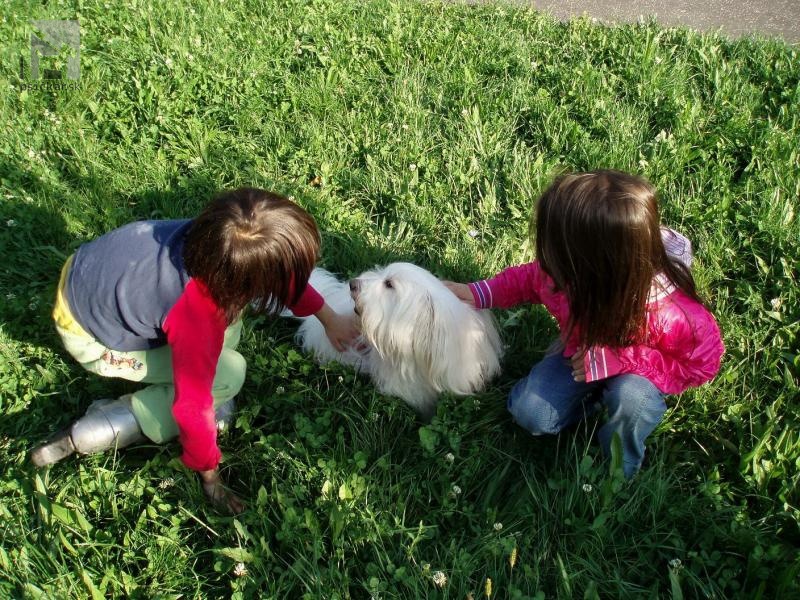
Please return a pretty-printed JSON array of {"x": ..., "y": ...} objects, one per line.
[{"x": 152, "y": 406}]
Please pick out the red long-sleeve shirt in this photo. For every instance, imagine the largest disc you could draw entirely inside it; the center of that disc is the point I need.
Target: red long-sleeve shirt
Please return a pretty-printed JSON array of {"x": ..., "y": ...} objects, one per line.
[{"x": 195, "y": 330}]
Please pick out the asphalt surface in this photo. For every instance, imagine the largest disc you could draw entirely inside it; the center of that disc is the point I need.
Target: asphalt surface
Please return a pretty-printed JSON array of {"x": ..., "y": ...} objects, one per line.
[{"x": 733, "y": 18}]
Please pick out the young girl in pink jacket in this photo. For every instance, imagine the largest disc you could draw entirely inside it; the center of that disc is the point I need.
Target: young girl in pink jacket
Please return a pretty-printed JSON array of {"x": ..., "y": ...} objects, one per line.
[{"x": 619, "y": 285}]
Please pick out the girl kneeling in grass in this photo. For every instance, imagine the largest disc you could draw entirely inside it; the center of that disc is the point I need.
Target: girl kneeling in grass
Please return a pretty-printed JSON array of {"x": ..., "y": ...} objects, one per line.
[
  {"x": 160, "y": 302},
  {"x": 619, "y": 285}
]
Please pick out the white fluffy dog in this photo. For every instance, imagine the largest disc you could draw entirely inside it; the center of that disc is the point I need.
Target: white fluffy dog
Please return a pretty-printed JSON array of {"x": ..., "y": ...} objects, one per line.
[{"x": 421, "y": 339}]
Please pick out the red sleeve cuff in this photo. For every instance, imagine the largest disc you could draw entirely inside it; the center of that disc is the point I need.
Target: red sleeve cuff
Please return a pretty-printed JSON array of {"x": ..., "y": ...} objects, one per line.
[
  {"x": 202, "y": 463},
  {"x": 600, "y": 363},
  {"x": 482, "y": 294},
  {"x": 310, "y": 303}
]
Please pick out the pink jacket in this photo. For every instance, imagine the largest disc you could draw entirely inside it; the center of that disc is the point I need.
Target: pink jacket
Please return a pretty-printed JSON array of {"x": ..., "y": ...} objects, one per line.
[{"x": 683, "y": 347}]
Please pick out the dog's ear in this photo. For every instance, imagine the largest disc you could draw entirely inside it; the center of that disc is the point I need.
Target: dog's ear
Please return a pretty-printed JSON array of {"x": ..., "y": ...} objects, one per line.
[
  {"x": 425, "y": 341},
  {"x": 464, "y": 348},
  {"x": 437, "y": 345}
]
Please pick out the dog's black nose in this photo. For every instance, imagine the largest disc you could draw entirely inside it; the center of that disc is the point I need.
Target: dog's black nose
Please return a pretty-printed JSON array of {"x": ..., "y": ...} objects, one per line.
[{"x": 354, "y": 285}]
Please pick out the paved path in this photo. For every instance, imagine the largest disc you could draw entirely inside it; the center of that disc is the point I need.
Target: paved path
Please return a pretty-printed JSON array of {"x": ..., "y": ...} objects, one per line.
[{"x": 736, "y": 18}]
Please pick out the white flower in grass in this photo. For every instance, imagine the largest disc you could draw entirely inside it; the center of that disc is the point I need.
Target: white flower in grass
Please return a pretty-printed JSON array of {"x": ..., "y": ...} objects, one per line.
[
  {"x": 473, "y": 233},
  {"x": 280, "y": 389},
  {"x": 166, "y": 483},
  {"x": 341, "y": 379},
  {"x": 456, "y": 490},
  {"x": 10, "y": 296},
  {"x": 449, "y": 457},
  {"x": 412, "y": 167},
  {"x": 11, "y": 223},
  {"x": 168, "y": 62},
  {"x": 439, "y": 579},
  {"x": 587, "y": 487},
  {"x": 240, "y": 570},
  {"x": 675, "y": 564},
  {"x": 498, "y": 526},
  {"x": 776, "y": 303}
]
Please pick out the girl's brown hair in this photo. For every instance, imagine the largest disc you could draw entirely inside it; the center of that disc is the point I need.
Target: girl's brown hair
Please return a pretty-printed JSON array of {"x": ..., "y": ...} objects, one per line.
[
  {"x": 250, "y": 246},
  {"x": 598, "y": 236}
]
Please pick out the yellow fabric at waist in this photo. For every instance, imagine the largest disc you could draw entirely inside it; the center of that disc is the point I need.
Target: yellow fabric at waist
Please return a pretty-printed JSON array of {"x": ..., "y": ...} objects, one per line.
[{"x": 61, "y": 313}]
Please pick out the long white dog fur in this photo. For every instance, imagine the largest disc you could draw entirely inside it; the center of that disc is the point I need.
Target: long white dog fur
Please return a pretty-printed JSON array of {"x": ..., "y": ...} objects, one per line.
[{"x": 421, "y": 339}]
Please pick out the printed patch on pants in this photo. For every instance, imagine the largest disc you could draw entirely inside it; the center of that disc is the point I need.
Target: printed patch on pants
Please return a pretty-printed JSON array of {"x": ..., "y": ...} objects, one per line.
[{"x": 121, "y": 362}]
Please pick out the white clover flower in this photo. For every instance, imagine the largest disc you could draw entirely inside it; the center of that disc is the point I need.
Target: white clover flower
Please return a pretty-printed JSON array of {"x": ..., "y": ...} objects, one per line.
[
  {"x": 473, "y": 233},
  {"x": 587, "y": 487},
  {"x": 168, "y": 62},
  {"x": 456, "y": 490},
  {"x": 240, "y": 570},
  {"x": 405, "y": 126},
  {"x": 341, "y": 379},
  {"x": 449, "y": 457},
  {"x": 464, "y": 112},
  {"x": 412, "y": 167},
  {"x": 675, "y": 563},
  {"x": 10, "y": 296},
  {"x": 280, "y": 389},
  {"x": 498, "y": 526},
  {"x": 166, "y": 483},
  {"x": 11, "y": 223},
  {"x": 439, "y": 579},
  {"x": 776, "y": 303}
]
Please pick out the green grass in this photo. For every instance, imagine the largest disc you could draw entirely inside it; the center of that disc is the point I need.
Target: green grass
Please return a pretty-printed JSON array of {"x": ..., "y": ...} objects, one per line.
[{"x": 424, "y": 122}]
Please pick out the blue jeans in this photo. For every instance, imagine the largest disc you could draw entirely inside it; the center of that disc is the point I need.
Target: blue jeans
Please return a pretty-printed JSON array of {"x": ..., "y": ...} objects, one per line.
[{"x": 549, "y": 399}]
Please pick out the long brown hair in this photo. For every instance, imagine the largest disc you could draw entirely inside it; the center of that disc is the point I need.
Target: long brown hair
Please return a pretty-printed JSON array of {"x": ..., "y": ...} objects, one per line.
[
  {"x": 598, "y": 236},
  {"x": 250, "y": 246}
]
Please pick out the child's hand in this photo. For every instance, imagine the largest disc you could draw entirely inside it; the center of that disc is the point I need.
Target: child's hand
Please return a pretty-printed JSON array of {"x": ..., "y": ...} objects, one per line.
[
  {"x": 342, "y": 330},
  {"x": 578, "y": 371},
  {"x": 218, "y": 494},
  {"x": 461, "y": 290}
]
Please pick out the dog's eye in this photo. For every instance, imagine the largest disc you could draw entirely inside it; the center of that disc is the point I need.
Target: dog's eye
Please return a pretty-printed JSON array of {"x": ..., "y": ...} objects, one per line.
[{"x": 388, "y": 283}]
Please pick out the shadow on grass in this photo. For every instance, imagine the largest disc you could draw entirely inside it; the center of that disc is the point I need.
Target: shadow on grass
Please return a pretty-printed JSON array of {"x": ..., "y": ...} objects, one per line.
[{"x": 45, "y": 387}]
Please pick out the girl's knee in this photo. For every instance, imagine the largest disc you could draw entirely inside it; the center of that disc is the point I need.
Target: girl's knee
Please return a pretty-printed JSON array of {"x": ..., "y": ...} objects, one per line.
[
  {"x": 532, "y": 412},
  {"x": 630, "y": 398},
  {"x": 231, "y": 371}
]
